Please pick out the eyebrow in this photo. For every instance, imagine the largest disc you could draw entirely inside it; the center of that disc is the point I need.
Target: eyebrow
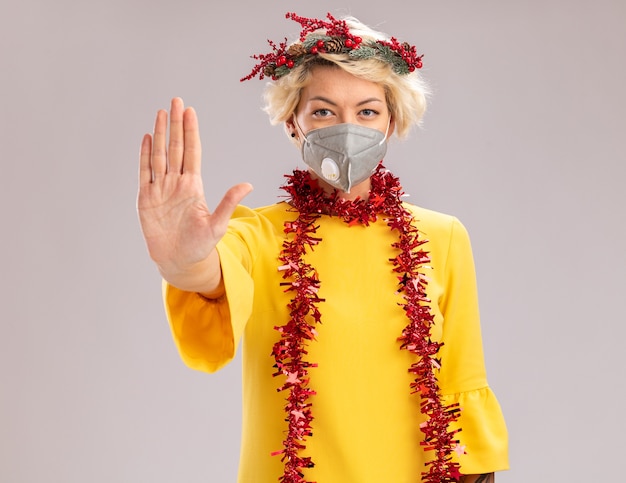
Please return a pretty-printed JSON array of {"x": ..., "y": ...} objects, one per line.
[{"x": 325, "y": 99}]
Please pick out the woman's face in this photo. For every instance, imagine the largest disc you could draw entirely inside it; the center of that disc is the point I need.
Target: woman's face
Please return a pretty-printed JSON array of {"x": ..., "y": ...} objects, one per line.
[{"x": 334, "y": 96}]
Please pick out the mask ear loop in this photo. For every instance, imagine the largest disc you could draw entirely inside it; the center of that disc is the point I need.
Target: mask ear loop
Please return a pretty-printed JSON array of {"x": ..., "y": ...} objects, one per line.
[{"x": 386, "y": 132}]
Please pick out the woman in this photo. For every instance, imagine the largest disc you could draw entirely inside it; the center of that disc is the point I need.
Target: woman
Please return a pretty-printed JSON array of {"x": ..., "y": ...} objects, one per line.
[{"x": 358, "y": 312}]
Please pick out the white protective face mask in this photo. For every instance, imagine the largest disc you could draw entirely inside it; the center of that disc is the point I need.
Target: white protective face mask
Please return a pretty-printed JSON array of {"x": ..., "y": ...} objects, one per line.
[{"x": 344, "y": 155}]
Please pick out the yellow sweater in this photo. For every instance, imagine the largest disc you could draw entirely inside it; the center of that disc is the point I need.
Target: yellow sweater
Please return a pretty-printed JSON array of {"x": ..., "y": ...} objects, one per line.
[{"x": 366, "y": 423}]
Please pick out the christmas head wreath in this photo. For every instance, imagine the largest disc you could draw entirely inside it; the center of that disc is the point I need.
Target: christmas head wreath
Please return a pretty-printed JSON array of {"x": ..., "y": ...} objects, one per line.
[{"x": 332, "y": 36}]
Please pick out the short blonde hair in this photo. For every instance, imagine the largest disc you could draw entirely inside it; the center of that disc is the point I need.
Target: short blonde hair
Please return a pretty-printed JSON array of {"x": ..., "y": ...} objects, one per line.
[{"x": 405, "y": 94}]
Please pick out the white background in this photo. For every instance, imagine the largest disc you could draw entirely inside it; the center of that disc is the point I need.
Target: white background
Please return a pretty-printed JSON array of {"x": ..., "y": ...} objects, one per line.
[{"x": 523, "y": 141}]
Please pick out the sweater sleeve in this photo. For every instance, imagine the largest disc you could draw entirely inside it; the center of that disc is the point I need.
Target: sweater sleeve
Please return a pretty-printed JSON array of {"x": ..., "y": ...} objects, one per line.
[
  {"x": 207, "y": 332},
  {"x": 463, "y": 378}
]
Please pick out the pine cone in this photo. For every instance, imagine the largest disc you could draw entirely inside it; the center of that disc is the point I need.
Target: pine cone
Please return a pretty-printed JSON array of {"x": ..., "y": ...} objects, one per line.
[
  {"x": 334, "y": 45},
  {"x": 269, "y": 70},
  {"x": 296, "y": 50}
]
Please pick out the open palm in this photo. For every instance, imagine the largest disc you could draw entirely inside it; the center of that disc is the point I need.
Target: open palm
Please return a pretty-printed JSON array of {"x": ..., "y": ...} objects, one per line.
[{"x": 179, "y": 229}]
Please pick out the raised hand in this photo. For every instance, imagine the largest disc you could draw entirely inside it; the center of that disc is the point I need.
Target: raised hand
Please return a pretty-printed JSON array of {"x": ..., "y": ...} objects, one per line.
[{"x": 179, "y": 229}]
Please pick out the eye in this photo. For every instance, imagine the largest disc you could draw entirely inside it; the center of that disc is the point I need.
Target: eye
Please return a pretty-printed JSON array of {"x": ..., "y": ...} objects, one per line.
[
  {"x": 369, "y": 113},
  {"x": 322, "y": 112}
]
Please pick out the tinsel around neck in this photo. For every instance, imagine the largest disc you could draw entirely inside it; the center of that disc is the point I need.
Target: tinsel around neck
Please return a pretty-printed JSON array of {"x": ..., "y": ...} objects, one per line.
[
  {"x": 302, "y": 281},
  {"x": 306, "y": 195}
]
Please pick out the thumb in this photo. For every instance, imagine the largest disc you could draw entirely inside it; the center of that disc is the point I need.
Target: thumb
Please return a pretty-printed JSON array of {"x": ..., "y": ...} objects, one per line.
[{"x": 231, "y": 199}]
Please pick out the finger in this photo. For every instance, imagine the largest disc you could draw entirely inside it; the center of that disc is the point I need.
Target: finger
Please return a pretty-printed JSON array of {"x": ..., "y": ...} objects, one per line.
[
  {"x": 175, "y": 148},
  {"x": 231, "y": 199},
  {"x": 159, "y": 153},
  {"x": 145, "y": 168},
  {"x": 192, "y": 157}
]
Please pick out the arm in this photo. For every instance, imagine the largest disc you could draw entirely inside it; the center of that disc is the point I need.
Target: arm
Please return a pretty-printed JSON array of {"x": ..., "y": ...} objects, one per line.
[
  {"x": 463, "y": 377},
  {"x": 180, "y": 231},
  {"x": 486, "y": 478}
]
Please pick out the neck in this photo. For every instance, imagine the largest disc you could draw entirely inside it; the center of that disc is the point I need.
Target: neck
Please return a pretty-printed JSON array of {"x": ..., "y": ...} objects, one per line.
[
  {"x": 308, "y": 196},
  {"x": 361, "y": 191}
]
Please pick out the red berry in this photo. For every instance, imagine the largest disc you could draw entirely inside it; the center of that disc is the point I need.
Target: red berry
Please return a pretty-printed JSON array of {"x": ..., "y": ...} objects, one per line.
[
  {"x": 290, "y": 64},
  {"x": 358, "y": 40},
  {"x": 320, "y": 44},
  {"x": 281, "y": 60},
  {"x": 349, "y": 43},
  {"x": 314, "y": 50}
]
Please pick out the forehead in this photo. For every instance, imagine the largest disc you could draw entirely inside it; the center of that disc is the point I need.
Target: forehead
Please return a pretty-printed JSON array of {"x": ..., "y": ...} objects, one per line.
[{"x": 336, "y": 84}]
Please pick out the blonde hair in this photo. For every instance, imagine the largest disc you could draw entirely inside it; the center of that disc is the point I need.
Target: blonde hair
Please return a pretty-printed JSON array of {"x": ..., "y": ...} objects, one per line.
[{"x": 405, "y": 94}]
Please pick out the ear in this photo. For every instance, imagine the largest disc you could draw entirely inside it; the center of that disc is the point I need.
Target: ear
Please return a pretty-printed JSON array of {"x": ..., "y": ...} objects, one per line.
[
  {"x": 290, "y": 126},
  {"x": 290, "y": 129},
  {"x": 292, "y": 132}
]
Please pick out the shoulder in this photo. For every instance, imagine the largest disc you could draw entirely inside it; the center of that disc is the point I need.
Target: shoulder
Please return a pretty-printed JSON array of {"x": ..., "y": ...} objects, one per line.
[
  {"x": 434, "y": 224},
  {"x": 272, "y": 211},
  {"x": 447, "y": 238},
  {"x": 280, "y": 210},
  {"x": 247, "y": 221}
]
